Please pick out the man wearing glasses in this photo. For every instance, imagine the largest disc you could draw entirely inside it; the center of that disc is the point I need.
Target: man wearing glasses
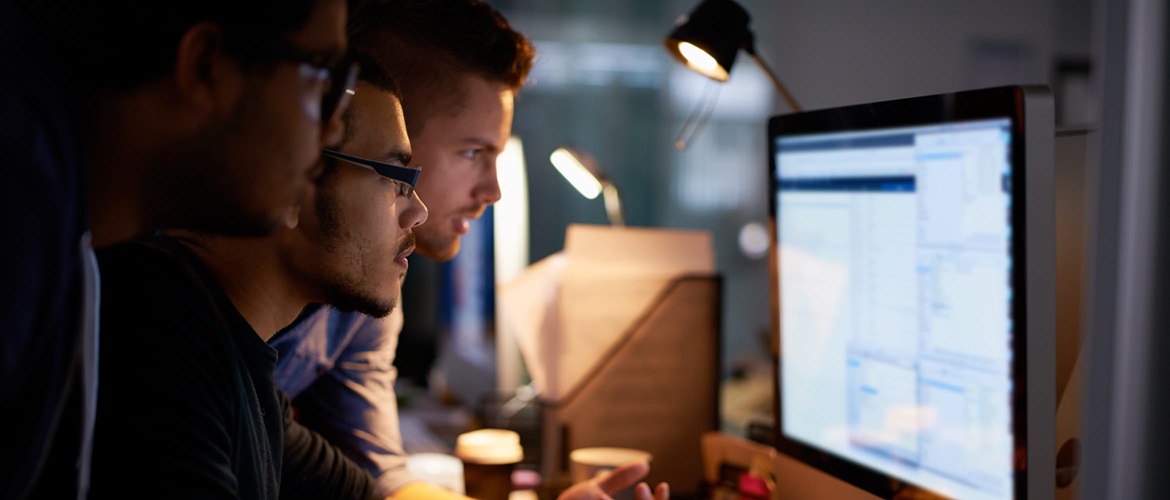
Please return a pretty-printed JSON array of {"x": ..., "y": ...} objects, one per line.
[
  {"x": 459, "y": 64},
  {"x": 197, "y": 310},
  {"x": 189, "y": 406},
  {"x": 210, "y": 115}
]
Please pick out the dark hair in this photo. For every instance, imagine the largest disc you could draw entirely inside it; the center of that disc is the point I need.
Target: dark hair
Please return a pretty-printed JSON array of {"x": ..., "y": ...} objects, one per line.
[
  {"x": 374, "y": 73},
  {"x": 121, "y": 44},
  {"x": 431, "y": 44}
]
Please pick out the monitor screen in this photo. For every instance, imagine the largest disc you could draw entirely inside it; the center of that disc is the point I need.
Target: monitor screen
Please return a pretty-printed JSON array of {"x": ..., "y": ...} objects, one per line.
[{"x": 899, "y": 280}]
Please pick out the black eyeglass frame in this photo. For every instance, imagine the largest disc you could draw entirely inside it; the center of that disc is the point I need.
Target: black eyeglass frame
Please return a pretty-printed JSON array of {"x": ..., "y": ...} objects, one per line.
[
  {"x": 343, "y": 83},
  {"x": 342, "y": 73},
  {"x": 405, "y": 176}
]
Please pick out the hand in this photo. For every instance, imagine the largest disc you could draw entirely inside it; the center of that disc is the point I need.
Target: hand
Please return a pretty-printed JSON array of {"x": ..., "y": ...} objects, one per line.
[{"x": 601, "y": 487}]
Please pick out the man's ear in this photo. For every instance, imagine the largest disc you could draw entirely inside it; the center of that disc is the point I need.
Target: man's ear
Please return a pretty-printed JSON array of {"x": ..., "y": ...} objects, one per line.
[{"x": 205, "y": 74}]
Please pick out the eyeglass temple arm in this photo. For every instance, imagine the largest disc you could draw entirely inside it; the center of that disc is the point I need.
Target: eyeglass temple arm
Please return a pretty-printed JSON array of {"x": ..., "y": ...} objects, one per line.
[{"x": 403, "y": 174}]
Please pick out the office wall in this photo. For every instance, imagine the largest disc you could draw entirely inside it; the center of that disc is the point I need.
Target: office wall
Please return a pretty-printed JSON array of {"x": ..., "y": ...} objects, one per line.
[{"x": 834, "y": 52}]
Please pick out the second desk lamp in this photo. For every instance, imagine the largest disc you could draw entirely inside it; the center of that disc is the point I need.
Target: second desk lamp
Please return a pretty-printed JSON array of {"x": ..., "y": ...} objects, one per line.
[{"x": 582, "y": 171}]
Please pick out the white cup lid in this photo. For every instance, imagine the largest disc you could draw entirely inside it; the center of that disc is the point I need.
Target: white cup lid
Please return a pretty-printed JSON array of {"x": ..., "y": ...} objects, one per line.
[
  {"x": 489, "y": 446},
  {"x": 607, "y": 457},
  {"x": 444, "y": 471}
]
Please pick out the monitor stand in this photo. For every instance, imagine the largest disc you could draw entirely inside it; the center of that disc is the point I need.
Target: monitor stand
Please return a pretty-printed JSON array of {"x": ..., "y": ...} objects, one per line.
[
  {"x": 798, "y": 481},
  {"x": 1070, "y": 171}
]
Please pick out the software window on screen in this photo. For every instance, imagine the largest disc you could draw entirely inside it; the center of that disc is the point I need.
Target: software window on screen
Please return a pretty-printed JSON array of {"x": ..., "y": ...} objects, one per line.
[{"x": 895, "y": 273}]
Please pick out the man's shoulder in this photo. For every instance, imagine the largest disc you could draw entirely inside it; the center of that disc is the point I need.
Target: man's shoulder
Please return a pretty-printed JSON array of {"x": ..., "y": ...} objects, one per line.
[
  {"x": 333, "y": 328},
  {"x": 311, "y": 322},
  {"x": 325, "y": 338},
  {"x": 156, "y": 299},
  {"x": 155, "y": 278},
  {"x": 150, "y": 259}
]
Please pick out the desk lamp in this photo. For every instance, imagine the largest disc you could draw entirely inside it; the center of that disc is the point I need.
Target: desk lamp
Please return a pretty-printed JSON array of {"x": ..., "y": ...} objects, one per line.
[
  {"x": 708, "y": 40},
  {"x": 583, "y": 173}
]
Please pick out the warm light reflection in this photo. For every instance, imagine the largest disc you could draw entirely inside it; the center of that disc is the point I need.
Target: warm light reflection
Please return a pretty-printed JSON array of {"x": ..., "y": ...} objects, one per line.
[
  {"x": 510, "y": 243},
  {"x": 576, "y": 173},
  {"x": 699, "y": 60},
  {"x": 510, "y": 214}
]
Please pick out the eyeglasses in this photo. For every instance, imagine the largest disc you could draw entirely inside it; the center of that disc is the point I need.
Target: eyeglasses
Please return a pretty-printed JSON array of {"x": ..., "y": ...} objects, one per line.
[
  {"x": 341, "y": 75},
  {"x": 404, "y": 177},
  {"x": 343, "y": 81}
]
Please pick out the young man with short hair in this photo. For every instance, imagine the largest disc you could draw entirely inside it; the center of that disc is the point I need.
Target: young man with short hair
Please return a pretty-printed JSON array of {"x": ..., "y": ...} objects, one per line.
[
  {"x": 189, "y": 405},
  {"x": 210, "y": 115},
  {"x": 459, "y": 65}
]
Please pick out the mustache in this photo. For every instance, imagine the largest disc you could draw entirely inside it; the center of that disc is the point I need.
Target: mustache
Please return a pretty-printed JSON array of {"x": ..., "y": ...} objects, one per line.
[
  {"x": 471, "y": 211},
  {"x": 407, "y": 243}
]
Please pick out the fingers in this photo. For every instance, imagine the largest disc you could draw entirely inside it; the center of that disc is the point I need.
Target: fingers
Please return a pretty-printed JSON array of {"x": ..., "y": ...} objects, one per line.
[
  {"x": 623, "y": 476},
  {"x": 585, "y": 490},
  {"x": 642, "y": 492},
  {"x": 662, "y": 492}
]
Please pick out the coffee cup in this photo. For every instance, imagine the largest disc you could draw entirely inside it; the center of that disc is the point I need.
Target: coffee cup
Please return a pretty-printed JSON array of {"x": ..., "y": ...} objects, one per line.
[
  {"x": 437, "y": 469},
  {"x": 489, "y": 456},
  {"x": 588, "y": 463}
]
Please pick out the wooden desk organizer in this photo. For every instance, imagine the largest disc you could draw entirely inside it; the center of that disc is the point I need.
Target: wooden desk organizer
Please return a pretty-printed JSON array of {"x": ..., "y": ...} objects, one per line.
[{"x": 656, "y": 390}]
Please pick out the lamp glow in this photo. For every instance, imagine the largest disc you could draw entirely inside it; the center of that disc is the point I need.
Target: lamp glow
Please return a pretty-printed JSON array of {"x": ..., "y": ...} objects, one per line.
[
  {"x": 510, "y": 214},
  {"x": 576, "y": 173},
  {"x": 699, "y": 60},
  {"x": 708, "y": 39}
]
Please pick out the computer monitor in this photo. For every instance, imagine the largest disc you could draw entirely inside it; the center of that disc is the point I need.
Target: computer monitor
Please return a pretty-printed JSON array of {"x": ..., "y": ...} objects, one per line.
[{"x": 913, "y": 287}]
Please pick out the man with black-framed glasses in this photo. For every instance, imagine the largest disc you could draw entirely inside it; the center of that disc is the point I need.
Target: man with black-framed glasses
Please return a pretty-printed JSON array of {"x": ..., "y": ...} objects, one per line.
[
  {"x": 460, "y": 65},
  {"x": 189, "y": 404},
  {"x": 122, "y": 117},
  {"x": 404, "y": 178}
]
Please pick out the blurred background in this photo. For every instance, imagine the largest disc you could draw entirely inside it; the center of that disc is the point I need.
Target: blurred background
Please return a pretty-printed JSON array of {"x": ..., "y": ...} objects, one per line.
[{"x": 603, "y": 82}]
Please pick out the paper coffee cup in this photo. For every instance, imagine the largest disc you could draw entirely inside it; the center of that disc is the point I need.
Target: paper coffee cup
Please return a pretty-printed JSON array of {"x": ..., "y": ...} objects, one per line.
[
  {"x": 488, "y": 456},
  {"x": 587, "y": 463},
  {"x": 437, "y": 469}
]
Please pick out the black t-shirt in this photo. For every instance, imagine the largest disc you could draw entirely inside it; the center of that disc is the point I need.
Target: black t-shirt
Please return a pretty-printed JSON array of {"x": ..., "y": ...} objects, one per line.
[{"x": 187, "y": 402}]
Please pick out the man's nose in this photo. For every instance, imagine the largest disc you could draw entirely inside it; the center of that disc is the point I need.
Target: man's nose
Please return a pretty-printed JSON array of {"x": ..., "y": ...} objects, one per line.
[
  {"x": 487, "y": 191},
  {"x": 416, "y": 212}
]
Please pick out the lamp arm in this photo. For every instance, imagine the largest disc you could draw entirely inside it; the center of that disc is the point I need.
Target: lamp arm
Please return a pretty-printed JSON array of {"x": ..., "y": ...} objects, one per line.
[
  {"x": 776, "y": 82},
  {"x": 613, "y": 204},
  {"x": 749, "y": 46}
]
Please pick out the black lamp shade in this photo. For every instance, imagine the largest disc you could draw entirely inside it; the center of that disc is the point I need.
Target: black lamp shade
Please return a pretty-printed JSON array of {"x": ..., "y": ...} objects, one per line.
[{"x": 717, "y": 27}]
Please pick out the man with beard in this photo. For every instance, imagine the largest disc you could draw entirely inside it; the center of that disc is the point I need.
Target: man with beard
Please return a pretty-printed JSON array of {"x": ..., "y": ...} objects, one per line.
[
  {"x": 189, "y": 406},
  {"x": 211, "y": 116},
  {"x": 460, "y": 65}
]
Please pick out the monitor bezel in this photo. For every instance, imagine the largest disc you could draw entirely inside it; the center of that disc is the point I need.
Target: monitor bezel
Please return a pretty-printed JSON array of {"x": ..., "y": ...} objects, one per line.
[{"x": 1030, "y": 110}]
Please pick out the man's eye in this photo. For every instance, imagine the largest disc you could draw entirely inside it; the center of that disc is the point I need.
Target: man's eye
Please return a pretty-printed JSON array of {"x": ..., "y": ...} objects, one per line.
[{"x": 470, "y": 154}]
